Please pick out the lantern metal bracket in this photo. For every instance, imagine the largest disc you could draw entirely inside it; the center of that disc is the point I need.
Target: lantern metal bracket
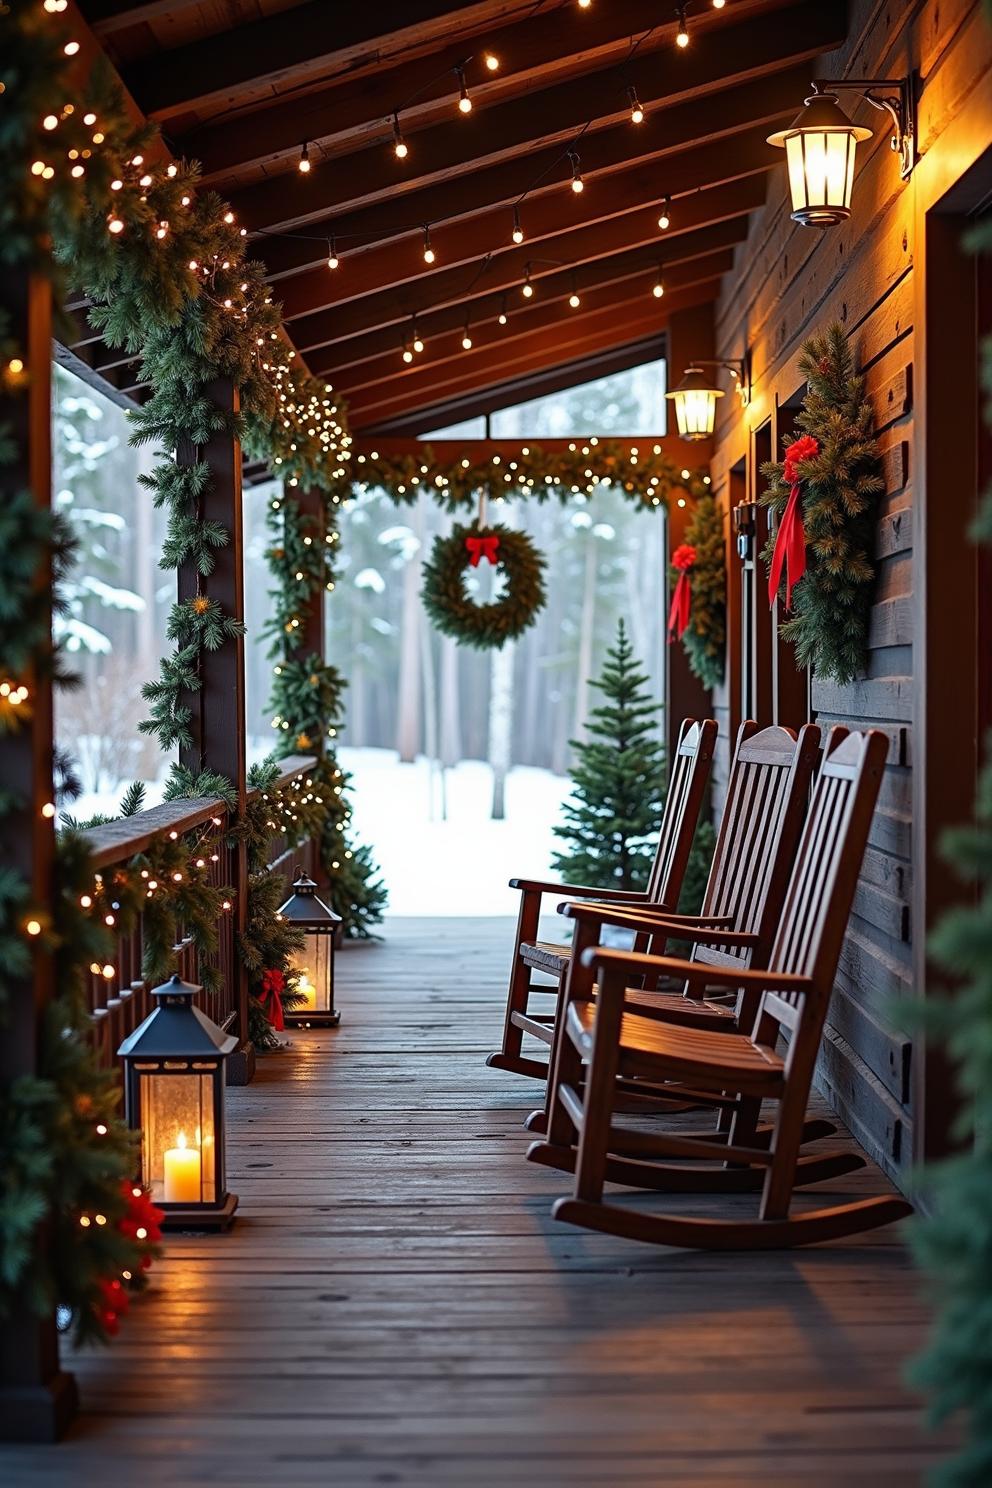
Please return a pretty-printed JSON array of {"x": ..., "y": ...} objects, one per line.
[
  {"x": 900, "y": 105},
  {"x": 739, "y": 369}
]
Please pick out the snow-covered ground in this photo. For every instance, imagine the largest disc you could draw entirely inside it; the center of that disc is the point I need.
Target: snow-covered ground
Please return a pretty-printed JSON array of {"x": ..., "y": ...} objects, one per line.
[{"x": 457, "y": 866}]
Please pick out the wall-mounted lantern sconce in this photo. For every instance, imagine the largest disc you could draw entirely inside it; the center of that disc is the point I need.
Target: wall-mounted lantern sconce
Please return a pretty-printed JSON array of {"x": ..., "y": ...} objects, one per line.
[
  {"x": 820, "y": 146},
  {"x": 695, "y": 396}
]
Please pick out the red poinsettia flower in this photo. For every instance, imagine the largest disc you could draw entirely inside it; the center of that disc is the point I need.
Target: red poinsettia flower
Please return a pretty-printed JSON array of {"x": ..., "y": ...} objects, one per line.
[
  {"x": 806, "y": 448},
  {"x": 684, "y": 556}
]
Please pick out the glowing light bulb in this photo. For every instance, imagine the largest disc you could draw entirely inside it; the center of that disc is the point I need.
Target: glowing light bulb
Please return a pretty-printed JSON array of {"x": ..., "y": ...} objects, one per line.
[
  {"x": 492, "y": 62},
  {"x": 682, "y": 35},
  {"x": 418, "y": 344},
  {"x": 304, "y": 162},
  {"x": 665, "y": 215},
  {"x": 400, "y": 149},
  {"x": 429, "y": 254},
  {"x": 636, "y": 111},
  {"x": 464, "y": 102},
  {"x": 466, "y": 340},
  {"x": 407, "y": 354},
  {"x": 332, "y": 256},
  {"x": 518, "y": 232},
  {"x": 574, "y": 300},
  {"x": 659, "y": 289},
  {"x": 115, "y": 225},
  {"x": 577, "y": 182}
]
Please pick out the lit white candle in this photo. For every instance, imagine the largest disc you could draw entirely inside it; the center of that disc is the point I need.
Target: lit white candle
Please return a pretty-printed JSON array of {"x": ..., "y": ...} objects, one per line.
[
  {"x": 307, "y": 991},
  {"x": 182, "y": 1173}
]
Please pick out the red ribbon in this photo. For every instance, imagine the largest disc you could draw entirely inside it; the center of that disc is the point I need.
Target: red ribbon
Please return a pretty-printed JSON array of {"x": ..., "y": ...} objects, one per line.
[
  {"x": 482, "y": 547},
  {"x": 273, "y": 983},
  {"x": 790, "y": 540},
  {"x": 678, "y": 616}
]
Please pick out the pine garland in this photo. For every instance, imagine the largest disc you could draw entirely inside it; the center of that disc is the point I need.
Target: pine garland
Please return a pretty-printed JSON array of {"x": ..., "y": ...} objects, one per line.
[
  {"x": 644, "y": 474},
  {"x": 840, "y": 489},
  {"x": 705, "y": 639},
  {"x": 307, "y": 697}
]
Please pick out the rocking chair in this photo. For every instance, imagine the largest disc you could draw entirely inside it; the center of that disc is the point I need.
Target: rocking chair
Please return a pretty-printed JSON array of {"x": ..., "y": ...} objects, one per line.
[
  {"x": 738, "y": 1072},
  {"x": 686, "y": 789},
  {"x": 767, "y": 797}
]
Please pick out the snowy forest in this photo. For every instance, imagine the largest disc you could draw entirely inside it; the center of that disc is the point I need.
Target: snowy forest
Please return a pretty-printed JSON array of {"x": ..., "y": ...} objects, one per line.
[{"x": 415, "y": 699}]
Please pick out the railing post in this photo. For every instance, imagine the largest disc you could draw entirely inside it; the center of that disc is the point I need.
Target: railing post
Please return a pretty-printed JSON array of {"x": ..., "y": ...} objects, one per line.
[
  {"x": 218, "y": 723},
  {"x": 37, "y": 1398}
]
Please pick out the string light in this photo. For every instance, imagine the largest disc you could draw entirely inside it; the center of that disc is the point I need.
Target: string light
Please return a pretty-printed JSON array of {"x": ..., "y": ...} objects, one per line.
[
  {"x": 304, "y": 163},
  {"x": 518, "y": 232},
  {"x": 492, "y": 62},
  {"x": 332, "y": 255},
  {"x": 407, "y": 353},
  {"x": 399, "y": 143},
  {"x": 719, "y": 4},
  {"x": 502, "y": 317},
  {"x": 464, "y": 102},
  {"x": 584, "y": 4},
  {"x": 527, "y": 289},
  {"x": 466, "y": 338},
  {"x": 659, "y": 286},
  {"x": 665, "y": 216},
  {"x": 418, "y": 344},
  {"x": 577, "y": 182},
  {"x": 573, "y": 298},
  {"x": 682, "y": 35},
  {"x": 636, "y": 111},
  {"x": 429, "y": 254}
]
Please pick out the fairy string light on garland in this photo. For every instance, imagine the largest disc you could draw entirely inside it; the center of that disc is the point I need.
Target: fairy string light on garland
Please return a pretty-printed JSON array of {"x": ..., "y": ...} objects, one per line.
[{"x": 703, "y": 629}]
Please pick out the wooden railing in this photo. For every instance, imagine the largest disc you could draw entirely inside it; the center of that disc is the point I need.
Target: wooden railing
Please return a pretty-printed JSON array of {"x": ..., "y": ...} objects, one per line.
[{"x": 120, "y": 1004}]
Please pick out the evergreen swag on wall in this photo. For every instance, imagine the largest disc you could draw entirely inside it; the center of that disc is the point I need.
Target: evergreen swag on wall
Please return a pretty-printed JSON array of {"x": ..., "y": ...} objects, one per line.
[
  {"x": 839, "y": 481},
  {"x": 705, "y": 638}
]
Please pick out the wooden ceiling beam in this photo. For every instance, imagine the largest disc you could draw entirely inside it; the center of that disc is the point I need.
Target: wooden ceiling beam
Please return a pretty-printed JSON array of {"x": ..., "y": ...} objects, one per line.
[
  {"x": 491, "y": 366},
  {"x": 754, "y": 48},
  {"x": 106, "y": 17},
  {"x": 713, "y": 220},
  {"x": 627, "y": 202},
  {"x": 290, "y": 45},
  {"x": 759, "y": 105},
  {"x": 466, "y": 405},
  {"x": 358, "y": 109},
  {"x": 365, "y": 359},
  {"x": 445, "y": 361}
]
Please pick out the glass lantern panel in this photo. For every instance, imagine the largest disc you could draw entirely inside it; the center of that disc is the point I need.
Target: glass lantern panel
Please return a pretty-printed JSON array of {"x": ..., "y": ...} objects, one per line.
[
  {"x": 178, "y": 1140},
  {"x": 797, "y": 171},
  {"x": 313, "y": 965},
  {"x": 839, "y": 146},
  {"x": 695, "y": 411}
]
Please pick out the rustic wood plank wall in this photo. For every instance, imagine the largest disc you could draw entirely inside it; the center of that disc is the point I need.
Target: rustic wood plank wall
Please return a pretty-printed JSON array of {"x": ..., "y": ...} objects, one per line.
[{"x": 789, "y": 281}]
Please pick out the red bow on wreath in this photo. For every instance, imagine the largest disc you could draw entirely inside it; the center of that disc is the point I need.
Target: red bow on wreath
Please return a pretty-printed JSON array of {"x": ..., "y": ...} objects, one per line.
[
  {"x": 482, "y": 547},
  {"x": 678, "y": 616},
  {"x": 273, "y": 985},
  {"x": 790, "y": 540}
]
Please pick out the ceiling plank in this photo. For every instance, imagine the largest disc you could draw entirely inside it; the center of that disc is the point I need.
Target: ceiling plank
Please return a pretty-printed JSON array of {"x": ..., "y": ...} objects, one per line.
[
  {"x": 758, "y": 104},
  {"x": 366, "y": 358},
  {"x": 713, "y": 220},
  {"x": 311, "y": 38},
  {"x": 755, "y": 48},
  {"x": 358, "y": 109},
  {"x": 106, "y": 17},
  {"x": 626, "y": 200}
]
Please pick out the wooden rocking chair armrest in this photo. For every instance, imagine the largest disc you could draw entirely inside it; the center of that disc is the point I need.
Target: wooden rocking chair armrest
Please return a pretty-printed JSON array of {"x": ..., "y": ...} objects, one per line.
[
  {"x": 578, "y": 891},
  {"x": 652, "y": 916},
  {"x": 638, "y": 963}
]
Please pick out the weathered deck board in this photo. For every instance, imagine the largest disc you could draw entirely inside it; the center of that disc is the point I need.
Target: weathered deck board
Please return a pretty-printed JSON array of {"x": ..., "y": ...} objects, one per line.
[{"x": 395, "y": 1306}]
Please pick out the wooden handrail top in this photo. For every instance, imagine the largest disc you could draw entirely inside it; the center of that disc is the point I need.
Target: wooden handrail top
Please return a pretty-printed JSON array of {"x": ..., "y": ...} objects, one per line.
[{"x": 119, "y": 840}]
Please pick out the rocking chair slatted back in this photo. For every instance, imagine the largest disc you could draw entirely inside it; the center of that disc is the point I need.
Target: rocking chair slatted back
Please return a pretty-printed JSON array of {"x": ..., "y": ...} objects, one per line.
[
  {"x": 823, "y": 880},
  {"x": 762, "y": 821},
  {"x": 688, "y": 779}
]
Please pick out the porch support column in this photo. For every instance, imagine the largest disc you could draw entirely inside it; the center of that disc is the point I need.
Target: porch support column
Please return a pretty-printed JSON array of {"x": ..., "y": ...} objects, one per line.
[
  {"x": 37, "y": 1398},
  {"x": 690, "y": 335},
  {"x": 218, "y": 722},
  {"x": 311, "y": 633}
]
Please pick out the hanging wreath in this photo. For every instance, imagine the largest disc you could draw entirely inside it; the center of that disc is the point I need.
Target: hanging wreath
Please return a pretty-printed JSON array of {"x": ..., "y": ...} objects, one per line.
[
  {"x": 448, "y": 603},
  {"x": 699, "y": 604},
  {"x": 824, "y": 494}
]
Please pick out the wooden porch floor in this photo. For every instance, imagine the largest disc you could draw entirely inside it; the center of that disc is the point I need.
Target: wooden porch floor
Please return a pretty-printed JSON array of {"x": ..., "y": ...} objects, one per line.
[{"x": 395, "y": 1305}]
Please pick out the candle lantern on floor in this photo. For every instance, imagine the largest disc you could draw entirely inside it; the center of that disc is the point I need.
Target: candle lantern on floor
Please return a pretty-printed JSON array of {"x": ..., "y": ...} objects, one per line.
[
  {"x": 174, "y": 1093},
  {"x": 314, "y": 964}
]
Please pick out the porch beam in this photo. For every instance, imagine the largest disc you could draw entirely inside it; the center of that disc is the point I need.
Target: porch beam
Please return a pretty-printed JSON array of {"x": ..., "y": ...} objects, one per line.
[
  {"x": 38, "y": 1398},
  {"x": 218, "y": 722}
]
